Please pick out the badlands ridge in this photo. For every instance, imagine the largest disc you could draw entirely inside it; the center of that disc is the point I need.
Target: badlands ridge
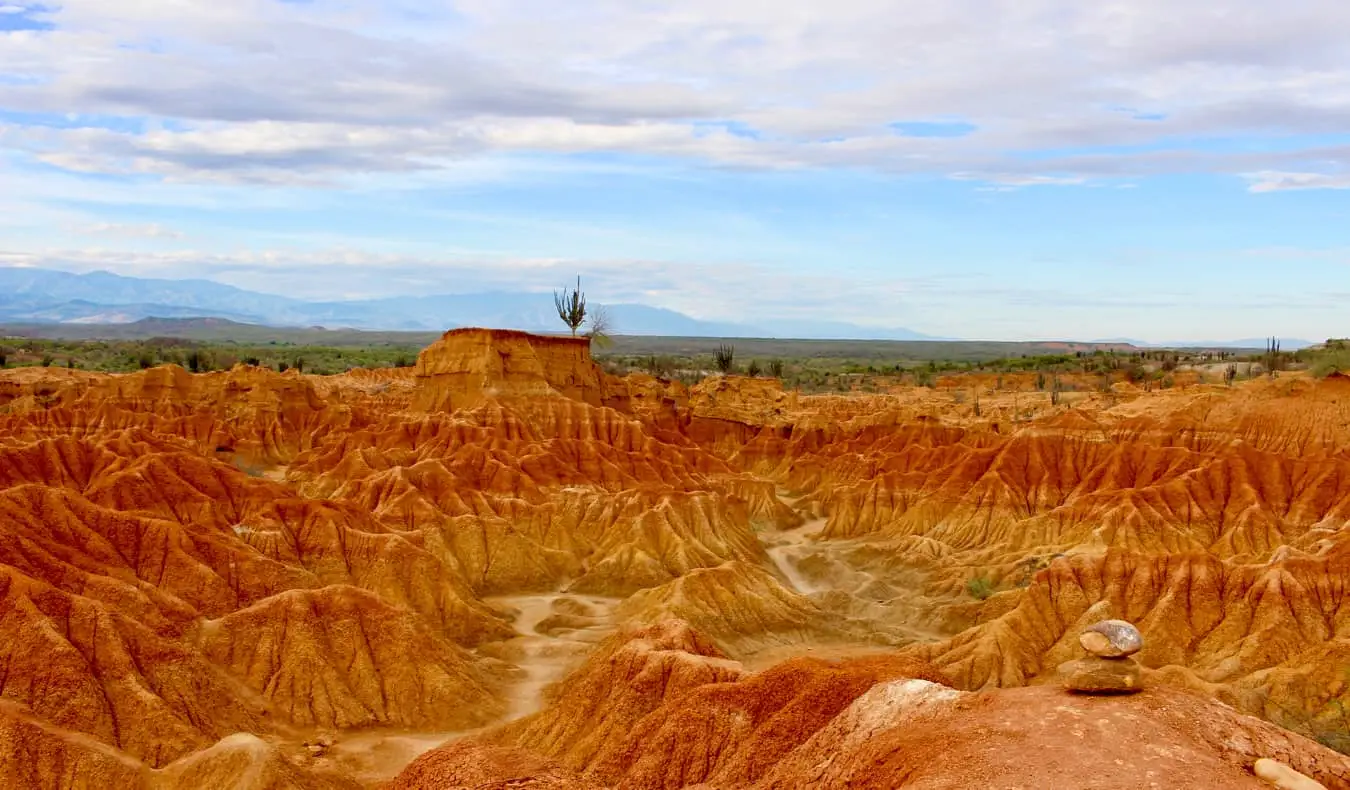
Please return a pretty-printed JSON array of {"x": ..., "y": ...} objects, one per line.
[{"x": 505, "y": 568}]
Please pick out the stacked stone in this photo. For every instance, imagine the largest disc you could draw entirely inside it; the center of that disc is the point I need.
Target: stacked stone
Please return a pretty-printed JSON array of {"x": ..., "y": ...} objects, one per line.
[{"x": 1108, "y": 668}]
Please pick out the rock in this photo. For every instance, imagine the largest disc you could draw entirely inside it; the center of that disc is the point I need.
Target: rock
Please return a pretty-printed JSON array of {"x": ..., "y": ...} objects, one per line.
[
  {"x": 1094, "y": 675},
  {"x": 1111, "y": 639},
  {"x": 1284, "y": 777}
]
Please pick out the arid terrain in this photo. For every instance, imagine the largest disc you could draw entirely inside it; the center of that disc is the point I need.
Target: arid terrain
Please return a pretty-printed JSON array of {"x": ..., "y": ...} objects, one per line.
[{"x": 504, "y": 567}]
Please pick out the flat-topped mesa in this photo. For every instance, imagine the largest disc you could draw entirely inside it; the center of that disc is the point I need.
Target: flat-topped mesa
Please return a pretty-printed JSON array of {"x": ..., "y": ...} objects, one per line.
[{"x": 468, "y": 366}]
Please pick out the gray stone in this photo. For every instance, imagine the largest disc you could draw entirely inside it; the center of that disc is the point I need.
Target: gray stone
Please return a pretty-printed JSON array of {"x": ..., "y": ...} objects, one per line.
[
  {"x": 1111, "y": 639},
  {"x": 1094, "y": 675}
]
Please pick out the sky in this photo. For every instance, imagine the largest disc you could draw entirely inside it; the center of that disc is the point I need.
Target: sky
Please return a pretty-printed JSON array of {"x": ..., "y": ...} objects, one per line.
[{"x": 984, "y": 169}]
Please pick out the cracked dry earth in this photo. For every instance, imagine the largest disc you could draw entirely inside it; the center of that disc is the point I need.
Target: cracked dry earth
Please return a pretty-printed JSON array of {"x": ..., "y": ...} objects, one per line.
[{"x": 504, "y": 568}]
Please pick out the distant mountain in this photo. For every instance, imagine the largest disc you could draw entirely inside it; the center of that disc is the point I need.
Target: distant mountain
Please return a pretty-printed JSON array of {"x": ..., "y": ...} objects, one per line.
[
  {"x": 1286, "y": 343},
  {"x": 839, "y": 330},
  {"x": 47, "y": 296}
]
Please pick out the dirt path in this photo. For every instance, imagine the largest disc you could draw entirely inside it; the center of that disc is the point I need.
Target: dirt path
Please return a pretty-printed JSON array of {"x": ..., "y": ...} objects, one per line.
[
  {"x": 554, "y": 633},
  {"x": 787, "y": 548},
  {"x": 856, "y": 580}
]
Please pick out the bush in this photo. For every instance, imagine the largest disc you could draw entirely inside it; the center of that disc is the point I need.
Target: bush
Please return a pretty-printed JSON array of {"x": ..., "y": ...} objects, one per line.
[
  {"x": 662, "y": 367},
  {"x": 980, "y": 587},
  {"x": 753, "y": 369},
  {"x": 252, "y": 470},
  {"x": 776, "y": 368},
  {"x": 1331, "y": 362}
]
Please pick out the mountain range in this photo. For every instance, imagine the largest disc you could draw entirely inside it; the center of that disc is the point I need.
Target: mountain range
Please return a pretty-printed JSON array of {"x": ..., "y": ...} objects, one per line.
[
  {"x": 30, "y": 295},
  {"x": 47, "y": 296}
]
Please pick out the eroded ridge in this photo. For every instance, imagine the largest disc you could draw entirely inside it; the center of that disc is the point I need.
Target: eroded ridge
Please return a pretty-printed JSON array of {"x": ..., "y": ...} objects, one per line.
[{"x": 590, "y": 581}]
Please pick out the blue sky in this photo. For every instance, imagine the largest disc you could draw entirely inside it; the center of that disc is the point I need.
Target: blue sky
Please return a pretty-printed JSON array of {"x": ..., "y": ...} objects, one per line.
[{"x": 980, "y": 169}]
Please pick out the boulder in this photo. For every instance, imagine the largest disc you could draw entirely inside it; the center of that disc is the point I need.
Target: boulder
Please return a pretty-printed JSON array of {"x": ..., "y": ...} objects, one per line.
[
  {"x": 1111, "y": 639},
  {"x": 1094, "y": 675}
]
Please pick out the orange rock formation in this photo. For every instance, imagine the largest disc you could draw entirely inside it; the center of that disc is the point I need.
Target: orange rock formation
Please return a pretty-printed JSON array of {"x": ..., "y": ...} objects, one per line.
[{"x": 202, "y": 574}]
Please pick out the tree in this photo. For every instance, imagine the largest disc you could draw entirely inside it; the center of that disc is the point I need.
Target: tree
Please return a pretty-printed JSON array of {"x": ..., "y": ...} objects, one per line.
[
  {"x": 571, "y": 307},
  {"x": 601, "y": 326},
  {"x": 776, "y": 368}
]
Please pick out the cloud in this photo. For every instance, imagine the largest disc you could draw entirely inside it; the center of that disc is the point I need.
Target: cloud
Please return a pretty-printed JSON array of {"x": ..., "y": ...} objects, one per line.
[
  {"x": 1275, "y": 181},
  {"x": 267, "y": 92},
  {"x": 1006, "y": 182},
  {"x": 142, "y": 231}
]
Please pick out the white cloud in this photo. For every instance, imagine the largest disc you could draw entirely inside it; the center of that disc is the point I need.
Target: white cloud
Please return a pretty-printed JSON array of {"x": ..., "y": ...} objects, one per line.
[
  {"x": 261, "y": 91},
  {"x": 134, "y": 231},
  {"x": 1276, "y": 181},
  {"x": 1004, "y": 182}
]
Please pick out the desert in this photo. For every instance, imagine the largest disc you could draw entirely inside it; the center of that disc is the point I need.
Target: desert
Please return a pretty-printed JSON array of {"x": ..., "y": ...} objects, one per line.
[{"x": 507, "y": 567}]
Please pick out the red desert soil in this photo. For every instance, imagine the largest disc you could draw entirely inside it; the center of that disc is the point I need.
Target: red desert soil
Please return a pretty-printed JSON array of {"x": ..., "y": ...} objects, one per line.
[{"x": 260, "y": 580}]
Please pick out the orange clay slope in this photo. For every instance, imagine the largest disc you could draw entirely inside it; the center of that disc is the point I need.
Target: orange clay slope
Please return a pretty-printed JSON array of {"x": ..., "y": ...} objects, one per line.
[{"x": 283, "y": 580}]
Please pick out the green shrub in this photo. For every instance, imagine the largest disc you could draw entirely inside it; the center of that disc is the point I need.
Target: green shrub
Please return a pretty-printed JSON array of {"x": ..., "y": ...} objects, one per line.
[
  {"x": 252, "y": 470},
  {"x": 660, "y": 366},
  {"x": 1331, "y": 362},
  {"x": 980, "y": 587}
]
